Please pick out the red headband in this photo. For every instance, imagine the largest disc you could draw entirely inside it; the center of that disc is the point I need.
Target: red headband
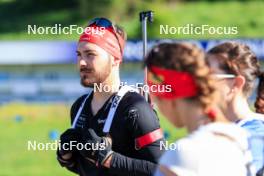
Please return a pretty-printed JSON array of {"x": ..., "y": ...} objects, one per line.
[
  {"x": 182, "y": 84},
  {"x": 104, "y": 38}
]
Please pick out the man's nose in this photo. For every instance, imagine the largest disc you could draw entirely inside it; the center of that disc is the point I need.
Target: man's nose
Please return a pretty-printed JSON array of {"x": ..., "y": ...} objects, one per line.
[{"x": 83, "y": 62}]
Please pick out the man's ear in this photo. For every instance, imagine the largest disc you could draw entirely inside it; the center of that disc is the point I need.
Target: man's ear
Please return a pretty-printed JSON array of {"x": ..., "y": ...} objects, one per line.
[
  {"x": 239, "y": 83},
  {"x": 115, "y": 61}
]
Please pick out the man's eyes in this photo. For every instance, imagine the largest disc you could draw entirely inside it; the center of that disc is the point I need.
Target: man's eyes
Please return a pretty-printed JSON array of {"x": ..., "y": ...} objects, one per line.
[
  {"x": 90, "y": 54},
  {"x": 87, "y": 54}
]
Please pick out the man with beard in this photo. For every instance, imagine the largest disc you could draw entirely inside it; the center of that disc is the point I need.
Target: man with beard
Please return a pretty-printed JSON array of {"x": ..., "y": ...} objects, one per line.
[{"x": 132, "y": 146}]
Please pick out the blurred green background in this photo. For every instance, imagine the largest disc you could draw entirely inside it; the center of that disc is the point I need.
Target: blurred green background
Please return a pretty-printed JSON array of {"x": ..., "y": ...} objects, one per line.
[
  {"x": 247, "y": 15},
  {"x": 20, "y": 121}
]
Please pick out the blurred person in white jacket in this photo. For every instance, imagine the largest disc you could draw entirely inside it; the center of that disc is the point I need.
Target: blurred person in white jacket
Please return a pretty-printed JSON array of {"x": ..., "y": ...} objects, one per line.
[
  {"x": 237, "y": 69},
  {"x": 182, "y": 87}
]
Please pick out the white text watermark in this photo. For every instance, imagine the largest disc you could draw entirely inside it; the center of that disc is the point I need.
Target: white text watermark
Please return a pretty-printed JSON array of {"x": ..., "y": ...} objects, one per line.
[
  {"x": 139, "y": 86},
  {"x": 58, "y": 29},
  {"x": 54, "y": 145},
  {"x": 191, "y": 29}
]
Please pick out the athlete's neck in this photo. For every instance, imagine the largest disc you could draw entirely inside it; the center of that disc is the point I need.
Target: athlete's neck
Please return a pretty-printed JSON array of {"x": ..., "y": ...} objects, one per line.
[
  {"x": 108, "y": 88},
  {"x": 240, "y": 109},
  {"x": 195, "y": 117}
]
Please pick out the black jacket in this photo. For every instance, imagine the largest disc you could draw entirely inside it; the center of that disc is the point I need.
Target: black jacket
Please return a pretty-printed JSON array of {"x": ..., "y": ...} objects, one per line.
[{"x": 134, "y": 118}]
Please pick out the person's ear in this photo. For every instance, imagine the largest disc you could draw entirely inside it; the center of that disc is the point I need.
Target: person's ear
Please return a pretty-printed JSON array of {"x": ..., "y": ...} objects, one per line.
[
  {"x": 115, "y": 61},
  {"x": 239, "y": 83}
]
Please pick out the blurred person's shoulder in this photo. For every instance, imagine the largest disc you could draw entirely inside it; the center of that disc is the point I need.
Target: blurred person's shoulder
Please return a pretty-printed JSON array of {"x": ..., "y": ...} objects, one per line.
[
  {"x": 211, "y": 150},
  {"x": 253, "y": 125},
  {"x": 230, "y": 131}
]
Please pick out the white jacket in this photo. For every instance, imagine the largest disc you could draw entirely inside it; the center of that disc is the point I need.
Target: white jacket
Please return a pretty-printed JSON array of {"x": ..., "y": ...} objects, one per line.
[{"x": 217, "y": 149}]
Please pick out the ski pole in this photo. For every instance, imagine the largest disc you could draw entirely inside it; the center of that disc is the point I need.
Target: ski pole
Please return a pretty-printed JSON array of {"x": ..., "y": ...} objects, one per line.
[{"x": 144, "y": 17}]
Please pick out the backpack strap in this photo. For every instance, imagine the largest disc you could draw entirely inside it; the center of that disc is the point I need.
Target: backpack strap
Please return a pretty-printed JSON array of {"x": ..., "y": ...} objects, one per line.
[
  {"x": 118, "y": 97},
  {"x": 80, "y": 110}
]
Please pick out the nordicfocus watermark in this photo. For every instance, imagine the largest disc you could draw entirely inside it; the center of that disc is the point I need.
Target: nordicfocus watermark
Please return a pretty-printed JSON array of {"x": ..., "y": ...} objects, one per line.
[
  {"x": 56, "y": 145},
  {"x": 179, "y": 146},
  {"x": 169, "y": 146},
  {"x": 191, "y": 29},
  {"x": 35, "y": 145},
  {"x": 139, "y": 86},
  {"x": 59, "y": 29}
]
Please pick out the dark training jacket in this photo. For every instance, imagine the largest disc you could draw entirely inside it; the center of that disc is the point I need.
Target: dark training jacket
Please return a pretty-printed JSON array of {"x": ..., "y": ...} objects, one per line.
[{"x": 134, "y": 118}]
